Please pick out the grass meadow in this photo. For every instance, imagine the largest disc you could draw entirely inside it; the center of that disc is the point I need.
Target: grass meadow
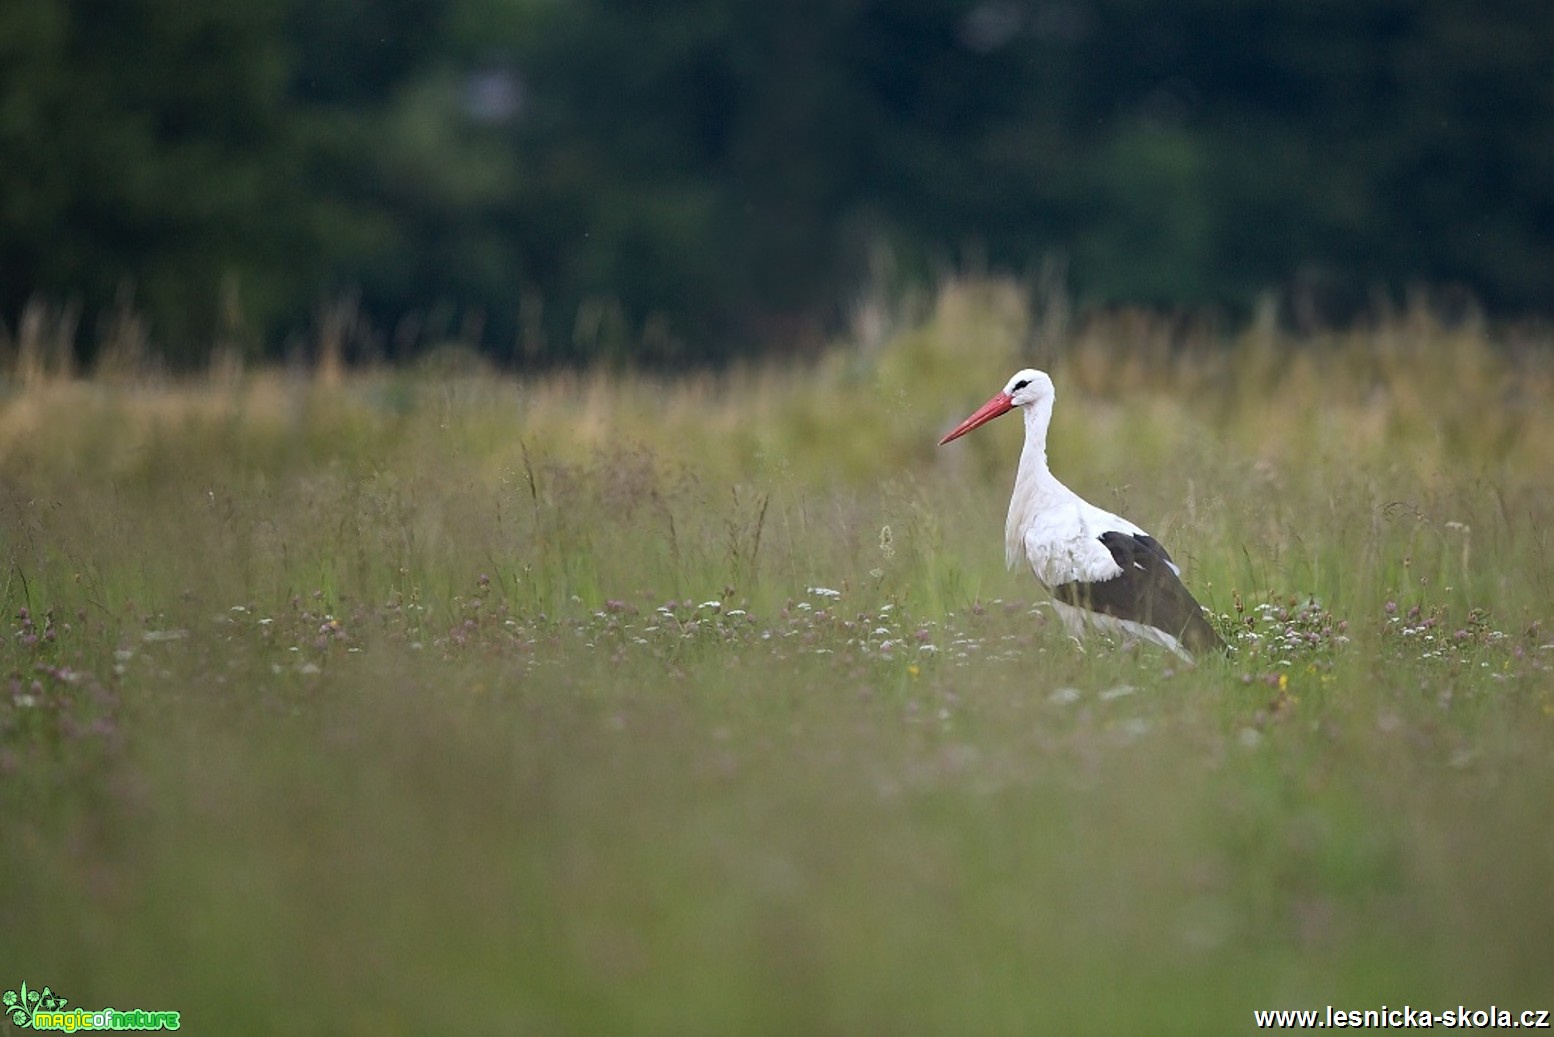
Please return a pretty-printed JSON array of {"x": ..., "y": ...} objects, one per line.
[{"x": 439, "y": 700}]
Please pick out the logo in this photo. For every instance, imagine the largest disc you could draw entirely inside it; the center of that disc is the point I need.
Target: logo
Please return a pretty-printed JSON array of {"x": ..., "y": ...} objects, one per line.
[
  {"x": 45, "y": 1010},
  {"x": 22, "y": 1006}
]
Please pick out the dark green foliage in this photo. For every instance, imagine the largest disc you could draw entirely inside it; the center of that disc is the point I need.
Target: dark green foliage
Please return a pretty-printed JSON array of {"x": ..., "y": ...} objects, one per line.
[
  {"x": 689, "y": 181},
  {"x": 149, "y": 155}
]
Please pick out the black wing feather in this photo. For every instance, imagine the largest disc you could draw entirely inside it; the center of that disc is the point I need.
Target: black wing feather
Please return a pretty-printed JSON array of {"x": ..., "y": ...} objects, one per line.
[
  {"x": 1144, "y": 538},
  {"x": 1147, "y": 591}
]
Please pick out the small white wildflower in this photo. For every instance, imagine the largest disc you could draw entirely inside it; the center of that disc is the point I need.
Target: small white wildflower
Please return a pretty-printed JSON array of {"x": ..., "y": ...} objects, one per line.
[{"x": 823, "y": 592}]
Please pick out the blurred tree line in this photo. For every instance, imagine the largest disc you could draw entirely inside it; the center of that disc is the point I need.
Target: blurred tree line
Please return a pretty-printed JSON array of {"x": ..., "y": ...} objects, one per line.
[{"x": 688, "y": 180}]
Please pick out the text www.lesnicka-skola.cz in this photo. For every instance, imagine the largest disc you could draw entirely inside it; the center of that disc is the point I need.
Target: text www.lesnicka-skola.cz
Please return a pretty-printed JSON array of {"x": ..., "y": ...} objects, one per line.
[{"x": 1461, "y": 1017}]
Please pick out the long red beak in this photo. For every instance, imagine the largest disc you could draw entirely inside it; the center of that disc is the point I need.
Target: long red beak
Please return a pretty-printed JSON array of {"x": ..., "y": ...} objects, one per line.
[{"x": 1000, "y": 404}]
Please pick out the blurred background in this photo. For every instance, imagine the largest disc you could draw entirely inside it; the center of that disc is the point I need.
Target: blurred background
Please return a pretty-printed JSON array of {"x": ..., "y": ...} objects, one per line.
[{"x": 683, "y": 182}]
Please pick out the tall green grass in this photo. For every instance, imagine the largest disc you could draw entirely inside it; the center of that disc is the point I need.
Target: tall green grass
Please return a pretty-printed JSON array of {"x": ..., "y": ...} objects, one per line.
[{"x": 605, "y": 702}]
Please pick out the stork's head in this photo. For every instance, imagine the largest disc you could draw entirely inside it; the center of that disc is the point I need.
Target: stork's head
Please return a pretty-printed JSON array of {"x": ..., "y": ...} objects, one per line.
[{"x": 1026, "y": 389}]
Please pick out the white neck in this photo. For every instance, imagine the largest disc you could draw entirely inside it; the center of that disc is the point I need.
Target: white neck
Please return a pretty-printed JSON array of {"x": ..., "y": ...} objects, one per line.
[
  {"x": 1033, "y": 458},
  {"x": 1034, "y": 484}
]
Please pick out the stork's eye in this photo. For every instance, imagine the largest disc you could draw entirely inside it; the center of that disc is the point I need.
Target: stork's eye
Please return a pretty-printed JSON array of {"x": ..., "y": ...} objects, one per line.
[{"x": 1022, "y": 383}]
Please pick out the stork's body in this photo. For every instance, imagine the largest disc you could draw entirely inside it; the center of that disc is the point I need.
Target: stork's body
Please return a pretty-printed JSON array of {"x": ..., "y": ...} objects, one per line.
[{"x": 1102, "y": 570}]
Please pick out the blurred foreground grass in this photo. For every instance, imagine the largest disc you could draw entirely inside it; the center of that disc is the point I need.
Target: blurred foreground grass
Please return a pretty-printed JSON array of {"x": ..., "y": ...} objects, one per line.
[{"x": 439, "y": 701}]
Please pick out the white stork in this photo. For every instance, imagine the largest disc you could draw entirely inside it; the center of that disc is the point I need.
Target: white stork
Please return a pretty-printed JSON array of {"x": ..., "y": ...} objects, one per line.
[{"x": 1101, "y": 569}]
